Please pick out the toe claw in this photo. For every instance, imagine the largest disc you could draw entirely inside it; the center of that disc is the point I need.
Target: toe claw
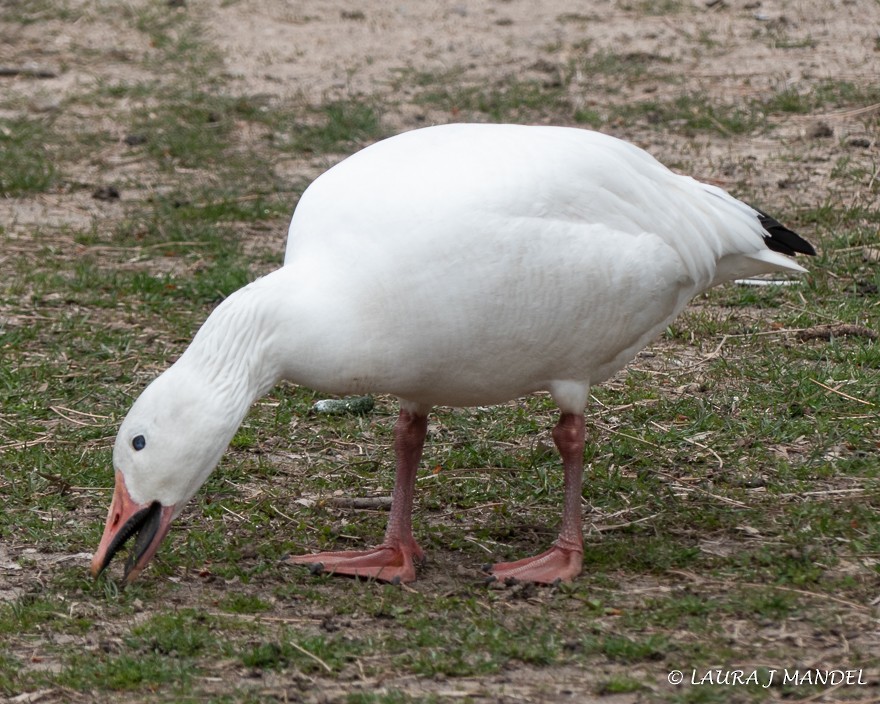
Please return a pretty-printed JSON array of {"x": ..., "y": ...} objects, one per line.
[
  {"x": 489, "y": 579},
  {"x": 396, "y": 580},
  {"x": 316, "y": 567},
  {"x": 487, "y": 567}
]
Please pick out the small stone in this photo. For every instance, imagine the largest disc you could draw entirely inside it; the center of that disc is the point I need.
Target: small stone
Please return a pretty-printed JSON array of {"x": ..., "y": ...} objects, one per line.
[
  {"x": 106, "y": 193},
  {"x": 819, "y": 130},
  {"x": 50, "y": 104},
  {"x": 749, "y": 482},
  {"x": 356, "y": 405},
  {"x": 329, "y": 625},
  {"x": 544, "y": 66},
  {"x": 871, "y": 254},
  {"x": 134, "y": 140},
  {"x": 860, "y": 142}
]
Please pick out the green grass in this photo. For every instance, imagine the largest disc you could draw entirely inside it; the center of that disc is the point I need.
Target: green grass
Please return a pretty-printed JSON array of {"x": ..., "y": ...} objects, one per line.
[
  {"x": 26, "y": 13},
  {"x": 587, "y": 92},
  {"x": 341, "y": 124},
  {"x": 191, "y": 129},
  {"x": 513, "y": 100},
  {"x": 25, "y": 163}
]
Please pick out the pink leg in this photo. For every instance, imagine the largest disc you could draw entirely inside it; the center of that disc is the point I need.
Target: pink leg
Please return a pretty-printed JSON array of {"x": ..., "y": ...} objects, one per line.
[
  {"x": 562, "y": 562},
  {"x": 396, "y": 558}
]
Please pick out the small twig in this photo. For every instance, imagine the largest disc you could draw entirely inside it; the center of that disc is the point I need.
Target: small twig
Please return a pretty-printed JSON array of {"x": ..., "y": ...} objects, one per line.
[
  {"x": 237, "y": 515},
  {"x": 819, "y": 695},
  {"x": 776, "y": 587},
  {"x": 240, "y": 199},
  {"x": 20, "y": 444},
  {"x": 849, "y": 250},
  {"x": 855, "y": 493},
  {"x": 618, "y": 526},
  {"x": 762, "y": 333},
  {"x": 826, "y": 332},
  {"x": 472, "y": 508},
  {"x": 714, "y": 354},
  {"x": 634, "y": 404},
  {"x": 277, "y": 619},
  {"x": 723, "y": 499},
  {"x": 717, "y": 351},
  {"x": 58, "y": 409},
  {"x": 261, "y": 617},
  {"x": 80, "y": 413},
  {"x": 845, "y": 113},
  {"x": 707, "y": 449},
  {"x": 717, "y": 497},
  {"x": 694, "y": 442},
  {"x": 27, "y": 71},
  {"x": 62, "y": 484},
  {"x": 143, "y": 248},
  {"x": 630, "y": 437},
  {"x": 477, "y": 543},
  {"x": 360, "y": 502},
  {"x": 466, "y": 470},
  {"x": 281, "y": 513},
  {"x": 311, "y": 655},
  {"x": 840, "y": 393}
]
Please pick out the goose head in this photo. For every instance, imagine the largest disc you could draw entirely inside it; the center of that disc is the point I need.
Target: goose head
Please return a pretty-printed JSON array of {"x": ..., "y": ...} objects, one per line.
[{"x": 167, "y": 446}]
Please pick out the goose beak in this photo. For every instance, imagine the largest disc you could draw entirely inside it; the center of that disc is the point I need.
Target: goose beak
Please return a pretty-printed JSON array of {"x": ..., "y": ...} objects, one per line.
[{"x": 149, "y": 521}]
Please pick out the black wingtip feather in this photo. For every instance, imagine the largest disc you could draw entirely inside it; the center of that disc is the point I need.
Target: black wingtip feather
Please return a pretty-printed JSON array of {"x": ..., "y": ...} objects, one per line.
[{"x": 780, "y": 239}]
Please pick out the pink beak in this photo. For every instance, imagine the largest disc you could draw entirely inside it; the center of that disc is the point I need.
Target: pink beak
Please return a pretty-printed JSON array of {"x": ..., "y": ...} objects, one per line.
[{"x": 150, "y": 521}]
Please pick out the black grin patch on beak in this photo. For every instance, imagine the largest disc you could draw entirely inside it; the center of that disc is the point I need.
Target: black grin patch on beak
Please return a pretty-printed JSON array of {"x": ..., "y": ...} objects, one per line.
[{"x": 145, "y": 523}]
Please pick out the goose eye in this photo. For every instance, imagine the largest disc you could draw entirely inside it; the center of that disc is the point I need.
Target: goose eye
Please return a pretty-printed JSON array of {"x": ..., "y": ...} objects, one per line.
[{"x": 139, "y": 442}]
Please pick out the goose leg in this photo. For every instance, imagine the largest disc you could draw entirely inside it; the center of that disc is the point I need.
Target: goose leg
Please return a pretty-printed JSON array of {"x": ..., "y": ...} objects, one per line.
[
  {"x": 562, "y": 562},
  {"x": 396, "y": 558}
]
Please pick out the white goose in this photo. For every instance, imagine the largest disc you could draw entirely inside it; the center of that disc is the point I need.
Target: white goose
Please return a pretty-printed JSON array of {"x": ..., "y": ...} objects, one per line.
[{"x": 455, "y": 265}]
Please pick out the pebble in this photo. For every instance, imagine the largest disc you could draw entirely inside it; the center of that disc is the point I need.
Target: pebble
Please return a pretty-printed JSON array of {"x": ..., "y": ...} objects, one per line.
[
  {"x": 819, "y": 130},
  {"x": 860, "y": 142},
  {"x": 106, "y": 193},
  {"x": 341, "y": 406}
]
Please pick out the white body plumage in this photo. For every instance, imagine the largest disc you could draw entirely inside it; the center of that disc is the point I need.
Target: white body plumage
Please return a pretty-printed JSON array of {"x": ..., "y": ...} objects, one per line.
[
  {"x": 471, "y": 264},
  {"x": 454, "y": 265}
]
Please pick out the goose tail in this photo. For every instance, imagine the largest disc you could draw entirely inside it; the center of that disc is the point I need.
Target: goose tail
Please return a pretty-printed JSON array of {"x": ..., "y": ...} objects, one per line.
[
  {"x": 780, "y": 245},
  {"x": 780, "y": 239}
]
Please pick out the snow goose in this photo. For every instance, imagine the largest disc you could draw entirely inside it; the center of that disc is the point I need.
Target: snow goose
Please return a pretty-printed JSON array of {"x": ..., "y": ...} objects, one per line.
[{"x": 458, "y": 265}]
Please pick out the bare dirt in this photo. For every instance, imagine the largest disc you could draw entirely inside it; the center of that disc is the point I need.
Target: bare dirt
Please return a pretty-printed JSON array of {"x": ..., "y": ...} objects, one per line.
[{"x": 735, "y": 51}]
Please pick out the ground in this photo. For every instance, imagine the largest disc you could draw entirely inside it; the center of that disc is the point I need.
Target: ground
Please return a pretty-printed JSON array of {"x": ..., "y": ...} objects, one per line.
[{"x": 150, "y": 156}]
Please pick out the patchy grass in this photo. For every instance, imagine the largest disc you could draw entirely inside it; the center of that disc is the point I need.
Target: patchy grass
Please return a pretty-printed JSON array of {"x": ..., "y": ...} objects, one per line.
[
  {"x": 25, "y": 164},
  {"x": 342, "y": 124}
]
